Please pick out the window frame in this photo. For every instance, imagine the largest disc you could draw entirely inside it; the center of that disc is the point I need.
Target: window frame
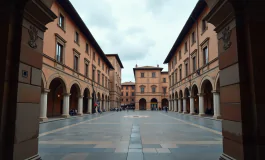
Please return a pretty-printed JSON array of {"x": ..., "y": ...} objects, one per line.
[
  {"x": 193, "y": 38},
  {"x": 153, "y": 74},
  {"x": 86, "y": 68},
  {"x": 142, "y": 75},
  {"x": 87, "y": 48},
  {"x": 61, "y": 24},
  {"x": 77, "y": 37},
  {"x": 205, "y": 55}
]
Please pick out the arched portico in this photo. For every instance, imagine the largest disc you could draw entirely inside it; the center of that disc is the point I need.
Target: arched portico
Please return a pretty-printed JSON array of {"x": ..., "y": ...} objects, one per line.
[
  {"x": 180, "y": 102},
  {"x": 194, "y": 100},
  {"x": 86, "y": 101},
  {"x": 56, "y": 96},
  {"x": 142, "y": 104},
  {"x": 207, "y": 98},
  {"x": 154, "y": 104},
  {"x": 186, "y": 101}
]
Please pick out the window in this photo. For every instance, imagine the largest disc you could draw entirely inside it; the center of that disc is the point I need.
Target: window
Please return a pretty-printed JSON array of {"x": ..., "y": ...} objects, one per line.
[
  {"x": 204, "y": 25},
  {"x": 94, "y": 56},
  {"x": 93, "y": 75},
  {"x": 176, "y": 76},
  {"x": 164, "y": 80},
  {"x": 142, "y": 89},
  {"x": 179, "y": 54},
  {"x": 205, "y": 55},
  {"x": 59, "y": 53},
  {"x": 133, "y": 87},
  {"x": 172, "y": 65},
  {"x": 126, "y": 100},
  {"x": 99, "y": 78},
  {"x": 132, "y": 99},
  {"x": 175, "y": 60},
  {"x": 132, "y": 93},
  {"x": 103, "y": 80},
  {"x": 186, "y": 46},
  {"x": 121, "y": 99},
  {"x": 126, "y": 93},
  {"x": 180, "y": 75},
  {"x": 164, "y": 90},
  {"x": 142, "y": 75},
  {"x": 99, "y": 61},
  {"x": 86, "y": 47},
  {"x": 153, "y": 89},
  {"x": 86, "y": 69},
  {"x": 77, "y": 37},
  {"x": 76, "y": 63},
  {"x": 193, "y": 40},
  {"x": 121, "y": 93},
  {"x": 61, "y": 21},
  {"x": 126, "y": 87},
  {"x": 103, "y": 66},
  {"x": 153, "y": 74},
  {"x": 194, "y": 64},
  {"x": 186, "y": 69}
]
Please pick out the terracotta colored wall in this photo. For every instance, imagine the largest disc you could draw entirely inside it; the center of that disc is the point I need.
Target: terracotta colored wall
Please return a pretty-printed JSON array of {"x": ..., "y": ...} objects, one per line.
[
  {"x": 50, "y": 70},
  {"x": 209, "y": 71},
  {"x": 129, "y": 97}
]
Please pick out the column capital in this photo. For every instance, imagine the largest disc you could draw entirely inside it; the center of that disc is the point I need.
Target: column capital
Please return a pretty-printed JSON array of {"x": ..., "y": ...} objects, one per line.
[
  {"x": 67, "y": 94},
  {"x": 191, "y": 96},
  {"x": 201, "y": 94},
  {"x": 215, "y": 91},
  {"x": 80, "y": 96},
  {"x": 45, "y": 90}
]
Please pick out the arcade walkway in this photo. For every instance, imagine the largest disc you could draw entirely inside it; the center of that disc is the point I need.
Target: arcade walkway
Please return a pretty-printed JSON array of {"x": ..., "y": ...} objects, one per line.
[{"x": 131, "y": 136}]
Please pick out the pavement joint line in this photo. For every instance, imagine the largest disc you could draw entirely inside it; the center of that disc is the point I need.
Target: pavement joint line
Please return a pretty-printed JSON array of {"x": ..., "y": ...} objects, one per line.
[
  {"x": 192, "y": 124},
  {"x": 76, "y": 124}
]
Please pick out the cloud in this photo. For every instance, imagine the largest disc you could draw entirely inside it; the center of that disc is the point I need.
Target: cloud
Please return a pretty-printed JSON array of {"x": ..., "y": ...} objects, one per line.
[{"x": 141, "y": 31}]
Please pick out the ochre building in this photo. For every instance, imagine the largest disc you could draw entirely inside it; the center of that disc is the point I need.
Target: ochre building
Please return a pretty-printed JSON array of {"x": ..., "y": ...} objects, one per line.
[
  {"x": 75, "y": 68},
  {"x": 115, "y": 80},
  {"x": 151, "y": 87},
  {"x": 194, "y": 68},
  {"x": 128, "y": 94}
]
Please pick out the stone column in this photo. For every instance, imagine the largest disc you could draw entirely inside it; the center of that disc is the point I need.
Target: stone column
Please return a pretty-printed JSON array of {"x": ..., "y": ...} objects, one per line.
[
  {"x": 184, "y": 105},
  {"x": 43, "y": 105},
  {"x": 66, "y": 105},
  {"x": 192, "y": 105},
  {"x": 201, "y": 104},
  {"x": 175, "y": 105},
  {"x": 80, "y": 105},
  {"x": 169, "y": 107},
  {"x": 179, "y": 105},
  {"x": 216, "y": 104},
  {"x": 90, "y": 105}
]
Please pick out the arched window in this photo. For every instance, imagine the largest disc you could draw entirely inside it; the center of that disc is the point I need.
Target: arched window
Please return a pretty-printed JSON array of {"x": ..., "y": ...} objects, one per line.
[{"x": 142, "y": 87}]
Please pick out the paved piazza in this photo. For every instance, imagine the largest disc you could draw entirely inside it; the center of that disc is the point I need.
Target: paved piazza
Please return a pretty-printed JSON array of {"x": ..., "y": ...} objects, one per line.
[{"x": 146, "y": 135}]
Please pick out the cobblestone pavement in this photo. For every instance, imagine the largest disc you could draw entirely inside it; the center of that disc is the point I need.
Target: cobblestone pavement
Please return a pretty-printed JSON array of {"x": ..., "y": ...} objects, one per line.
[{"x": 145, "y": 135}]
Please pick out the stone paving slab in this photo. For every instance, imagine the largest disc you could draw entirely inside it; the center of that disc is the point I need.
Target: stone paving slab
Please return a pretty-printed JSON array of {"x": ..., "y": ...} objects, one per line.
[{"x": 112, "y": 137}]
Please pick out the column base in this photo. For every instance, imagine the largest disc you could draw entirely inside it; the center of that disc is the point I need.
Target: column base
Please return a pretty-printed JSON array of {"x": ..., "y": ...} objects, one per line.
[
  {"x": 36, "y": 157},
  {"x": 43, "y": 119},
  {"x": 179, "y": 112},
  {"x": 202, "y": 114},
  {"x": 80, "y": 114},
  {"x": 66, "y": 116},
  {"x": 226, "y": 157},
  {"x": 185, "y": 112},
  {"x": 192, "y": 113},
  {"x": 217, "y": 117},
  {"x": 88, "y": 113}
]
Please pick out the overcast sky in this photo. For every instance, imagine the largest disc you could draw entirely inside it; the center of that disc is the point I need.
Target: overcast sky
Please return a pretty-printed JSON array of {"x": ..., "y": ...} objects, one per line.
[{"x": 141, "y": 31}]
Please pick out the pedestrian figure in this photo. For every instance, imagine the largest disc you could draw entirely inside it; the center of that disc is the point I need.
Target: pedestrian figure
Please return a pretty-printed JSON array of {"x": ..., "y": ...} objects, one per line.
[{"x": 166, "y": 109}]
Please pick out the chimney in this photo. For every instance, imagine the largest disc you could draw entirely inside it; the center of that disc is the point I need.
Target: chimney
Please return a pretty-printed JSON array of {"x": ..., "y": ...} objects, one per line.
[
  {"x": 158, "y": 65},
  {"x": 136, "y": 66}
]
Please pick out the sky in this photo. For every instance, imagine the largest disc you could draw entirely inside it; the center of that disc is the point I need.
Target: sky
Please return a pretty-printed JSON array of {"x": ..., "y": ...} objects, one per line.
[{"x": 142, "y": 32}]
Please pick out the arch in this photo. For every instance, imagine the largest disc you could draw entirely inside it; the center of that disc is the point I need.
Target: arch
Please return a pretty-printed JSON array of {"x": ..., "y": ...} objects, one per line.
[
  {"x": 57, "y": 76},
  {"x": 57, "y": 89},
  {"x": 186, "y": 93},
  {"x": 194, "y": 93},
  {"x": 142, "y": 104},
  {"x": 43, "y": 80},
  {"x": 206, "y": 89},
  {"x": 217, "y": 82},
  {"x": 205, "y": 79},
  {"x": 176, "y": 95},
  {"x": 164, "y": 102},
  {"x": 180, "y": 94},
  {"x": 75, "y": 82},
  {"x": 173, "y": 96},
  {"x": 187, "y": 97}
]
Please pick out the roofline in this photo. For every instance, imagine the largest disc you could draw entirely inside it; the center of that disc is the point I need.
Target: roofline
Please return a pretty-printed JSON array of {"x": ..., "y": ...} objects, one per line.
[
  {"x": 73, "y": 14},
  {"x": 128, "y": 84},
  {"x": 198, "y": 9},
  {"x": 117, "y": 57},
  {"x": 154, "y": 68}
]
